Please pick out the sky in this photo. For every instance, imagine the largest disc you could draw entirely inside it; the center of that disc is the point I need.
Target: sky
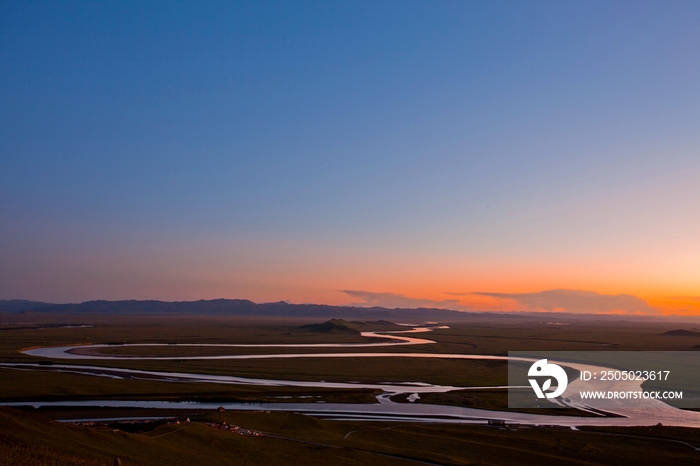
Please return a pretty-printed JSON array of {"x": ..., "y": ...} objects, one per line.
[{"x": 470, "y": 155}]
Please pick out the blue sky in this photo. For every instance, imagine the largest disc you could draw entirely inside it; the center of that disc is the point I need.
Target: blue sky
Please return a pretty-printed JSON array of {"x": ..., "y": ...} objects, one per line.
[{"x": 296, "y": 141}]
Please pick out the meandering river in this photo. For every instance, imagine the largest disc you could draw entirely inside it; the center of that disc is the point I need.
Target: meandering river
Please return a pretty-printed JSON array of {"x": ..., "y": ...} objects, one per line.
[{"x": 649, "y": 413}]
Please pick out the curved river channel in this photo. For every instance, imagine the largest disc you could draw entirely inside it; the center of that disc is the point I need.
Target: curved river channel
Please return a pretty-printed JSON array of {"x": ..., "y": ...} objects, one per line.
[{"x": 651, "y": 413}]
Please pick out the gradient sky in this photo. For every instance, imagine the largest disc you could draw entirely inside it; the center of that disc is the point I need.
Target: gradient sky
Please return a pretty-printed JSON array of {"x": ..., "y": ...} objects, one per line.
[{"x": 469, "y": 155}]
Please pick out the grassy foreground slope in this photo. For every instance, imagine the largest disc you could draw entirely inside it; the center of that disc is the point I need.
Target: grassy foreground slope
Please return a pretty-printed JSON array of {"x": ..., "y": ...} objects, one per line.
[
  {"x": 27, "y": 438},
  {"x": 288, "y": 438}
]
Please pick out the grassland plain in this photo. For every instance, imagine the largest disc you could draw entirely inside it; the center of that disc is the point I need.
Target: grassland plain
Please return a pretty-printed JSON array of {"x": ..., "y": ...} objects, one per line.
[
  {"x": 479, "y": 337},
  {"x": 441, "y": 444}
]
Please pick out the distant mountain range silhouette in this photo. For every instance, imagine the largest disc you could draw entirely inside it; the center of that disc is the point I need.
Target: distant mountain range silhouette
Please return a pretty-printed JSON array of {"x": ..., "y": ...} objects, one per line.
[
  {"x": 226, "y": 307},
  {"x": 247, "y": 308}
]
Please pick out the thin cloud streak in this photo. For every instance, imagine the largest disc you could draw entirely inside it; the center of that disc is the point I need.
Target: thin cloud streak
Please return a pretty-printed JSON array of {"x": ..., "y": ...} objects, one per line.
[
  {"x": 395, "y": 300},
  {"x": 569, "y": 301},
  {"x": 577, "y": 302}
]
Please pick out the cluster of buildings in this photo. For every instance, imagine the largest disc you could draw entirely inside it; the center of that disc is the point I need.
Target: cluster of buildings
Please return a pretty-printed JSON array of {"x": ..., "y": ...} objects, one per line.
[{"x": 235, "y": 429}]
